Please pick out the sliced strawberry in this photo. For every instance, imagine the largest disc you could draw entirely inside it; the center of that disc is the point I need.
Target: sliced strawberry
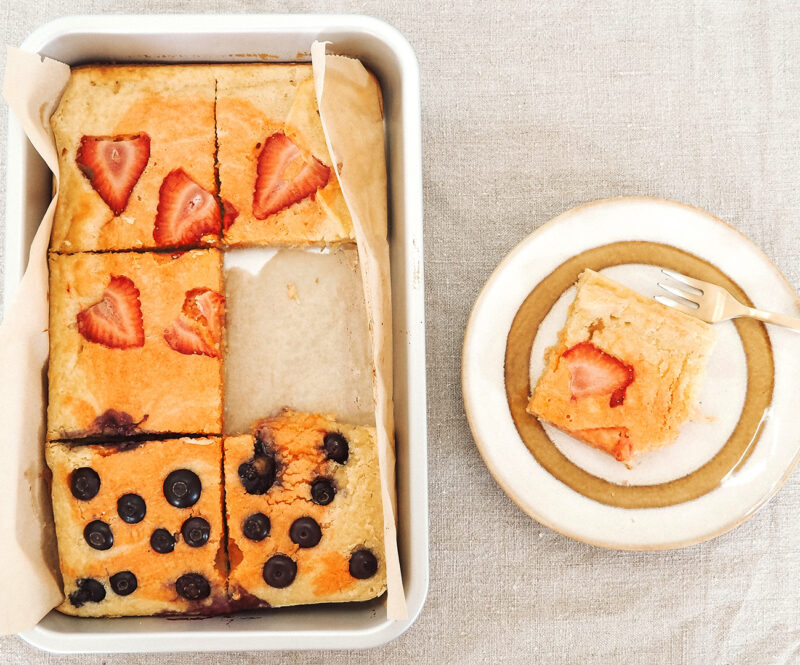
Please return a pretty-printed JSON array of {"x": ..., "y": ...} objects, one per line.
[
  {"x": 186, "y": 338},
  {"x": 207, "y": 307},
  {"x": 186, "y": 211},
  {"x": 116, "y": 320},
  {"x": 113, "y": 165},
  {"x": 595, "y": 372},
  {"x": 198, "y": 328},
  {"x": 285, "y": 176},
  {"x": 229, "y": 214}
]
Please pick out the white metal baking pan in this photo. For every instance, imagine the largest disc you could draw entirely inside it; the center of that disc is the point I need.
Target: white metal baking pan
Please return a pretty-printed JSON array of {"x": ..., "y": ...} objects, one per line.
[{"x": 194, "y": 38}]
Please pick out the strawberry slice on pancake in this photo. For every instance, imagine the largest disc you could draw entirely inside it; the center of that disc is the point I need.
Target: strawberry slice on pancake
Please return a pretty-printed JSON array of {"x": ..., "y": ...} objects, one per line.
[
  {"x": 198, "y": 328},
  {"x": 229, "y": 214},
  {"x": 285, "y": 176},
  {"x": 186, "y": 212},
  {"x": 116, "y": 320},
  {"x": 594, "y": 372},
  {"x": 113, "y": 165}
]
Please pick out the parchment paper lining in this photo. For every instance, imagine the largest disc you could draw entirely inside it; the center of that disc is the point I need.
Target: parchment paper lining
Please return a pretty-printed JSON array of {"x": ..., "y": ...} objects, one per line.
[
  {"x": 29, "y": 581},
  {"x": 32, "y": 87},
  {"x": 350, "y": 108}
]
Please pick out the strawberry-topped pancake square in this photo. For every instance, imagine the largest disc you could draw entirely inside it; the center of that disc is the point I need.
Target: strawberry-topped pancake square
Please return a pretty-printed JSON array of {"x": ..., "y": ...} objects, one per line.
[
  {"x": 136, "y": 151},
  {"x": 277, "y": 183},
  {"x": 626, "y": 371},
  {"x": 136, "y": 343}
]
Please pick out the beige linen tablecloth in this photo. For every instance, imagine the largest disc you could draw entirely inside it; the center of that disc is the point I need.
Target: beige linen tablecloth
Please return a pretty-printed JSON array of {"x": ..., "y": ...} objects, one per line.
[{"x": 530, "y": 108}]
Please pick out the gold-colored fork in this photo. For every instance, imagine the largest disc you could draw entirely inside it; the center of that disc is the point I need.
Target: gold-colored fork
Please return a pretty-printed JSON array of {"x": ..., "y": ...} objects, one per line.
[{"x": 712, "y": 303}]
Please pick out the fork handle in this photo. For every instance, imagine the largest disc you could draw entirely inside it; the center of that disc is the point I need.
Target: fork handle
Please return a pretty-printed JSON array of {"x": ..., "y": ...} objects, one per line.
[{"x": 772, "y": 317}]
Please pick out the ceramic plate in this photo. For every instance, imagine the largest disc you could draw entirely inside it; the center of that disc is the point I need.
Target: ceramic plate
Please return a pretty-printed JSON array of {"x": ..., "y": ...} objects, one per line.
[{"x": 725, "y": 463}]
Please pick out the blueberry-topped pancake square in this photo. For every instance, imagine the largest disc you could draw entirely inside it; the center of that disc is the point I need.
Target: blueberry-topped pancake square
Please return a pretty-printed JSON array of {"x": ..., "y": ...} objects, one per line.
[
  {"x": 136, "y": 344},
  {"x": 304, "y": 512},
  {"x": 140, "y": 527}
]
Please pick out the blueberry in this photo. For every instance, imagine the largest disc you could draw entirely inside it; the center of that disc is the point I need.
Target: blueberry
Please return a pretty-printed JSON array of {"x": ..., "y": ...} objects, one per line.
[
  {"x": 322, "y": 491},
  {"x": 279, "y": 571},
  {"x": 131, "y": 508},
  {"x": 256, "y": 526},
  {"x": 193, "y": 586},
  {"x": 182, "y": 488},
  {"x": 124, "y": 583},
  {"x": 195, "y": 531},
  {"x": 162, "y": 541},
  {"x": 98, "y": 535},
  {"x": 89, "y": 591},
  {"x": 84, "y": 483},
  {"x": 305, "y": 532},
  {"x": 258, "y": 473},
  {"x": 336, "y": 447},
  {"x": 363, "y": 564}
]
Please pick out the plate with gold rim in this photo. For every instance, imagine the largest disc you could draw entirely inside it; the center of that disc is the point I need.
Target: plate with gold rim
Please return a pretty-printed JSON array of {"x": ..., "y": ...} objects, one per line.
[{"x": 727, "y": 461}]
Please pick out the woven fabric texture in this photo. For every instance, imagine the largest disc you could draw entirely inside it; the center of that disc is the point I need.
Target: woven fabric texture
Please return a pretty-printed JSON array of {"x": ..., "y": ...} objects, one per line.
[{"x": 531, "y": 108}]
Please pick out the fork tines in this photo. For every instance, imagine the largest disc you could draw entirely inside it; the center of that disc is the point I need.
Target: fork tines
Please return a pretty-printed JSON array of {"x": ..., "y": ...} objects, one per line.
[
  {"x": 694, "y": 283},
  {"x": 686, "y": 296}
]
